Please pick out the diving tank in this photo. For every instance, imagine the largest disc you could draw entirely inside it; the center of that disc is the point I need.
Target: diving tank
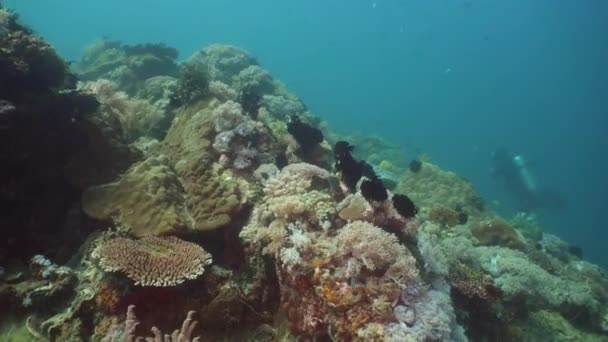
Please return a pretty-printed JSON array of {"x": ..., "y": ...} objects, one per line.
[{"x": 525, "y": 174}]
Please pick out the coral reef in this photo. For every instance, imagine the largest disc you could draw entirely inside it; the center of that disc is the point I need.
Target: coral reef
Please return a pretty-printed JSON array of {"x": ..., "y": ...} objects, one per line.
[
  {"x": 135, "y": 181},
  {"x": 41, "y": 127},
  {"x": 127, "y": 65}
]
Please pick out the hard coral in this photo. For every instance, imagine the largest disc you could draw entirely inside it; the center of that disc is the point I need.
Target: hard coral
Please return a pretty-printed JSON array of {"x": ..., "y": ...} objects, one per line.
[
  {"x": 225, "y": 62},
  {"x": 446, "y": 217},
  {"x": 153, "y": 261},
  {"x": 107, "y": 297},
  {"x": 150, "y": 190},
  {"x": 472, "y": 284},
  {"x": 29, "y": 64},
  {"x": 127, "y": 334},
  {"x": 192, "y": 84},
  {"x": 129, "y": 66},
  {"x": 370, "y": 245},
  {"x": 497, "y": 232},
  {"x": 214, "y": 196},
  {"x": 432, "y": 186}
]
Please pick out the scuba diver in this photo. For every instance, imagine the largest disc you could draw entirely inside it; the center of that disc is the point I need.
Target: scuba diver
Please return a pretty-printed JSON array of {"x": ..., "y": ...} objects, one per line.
[{"x": 517, "y": 178}]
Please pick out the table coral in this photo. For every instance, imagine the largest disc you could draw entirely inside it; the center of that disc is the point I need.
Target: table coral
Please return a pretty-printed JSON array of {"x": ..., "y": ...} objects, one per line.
[{"x": 153, "y": 261}]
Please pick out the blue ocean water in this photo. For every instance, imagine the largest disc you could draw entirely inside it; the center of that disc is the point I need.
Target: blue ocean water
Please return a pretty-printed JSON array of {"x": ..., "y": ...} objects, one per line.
[{"x": 454, "y": 79}]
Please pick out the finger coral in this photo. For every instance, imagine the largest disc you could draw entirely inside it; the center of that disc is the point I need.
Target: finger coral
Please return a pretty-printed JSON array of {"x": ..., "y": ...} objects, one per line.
[
  {"x": 127, "y": 334},
  {"x": 153, "y": 261}
]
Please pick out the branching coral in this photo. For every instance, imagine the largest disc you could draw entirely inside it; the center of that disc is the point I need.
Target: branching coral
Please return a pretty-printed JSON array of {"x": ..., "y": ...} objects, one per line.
[
  {"x": 127, "y": 334},
  {"x": 153, "y": 261}
]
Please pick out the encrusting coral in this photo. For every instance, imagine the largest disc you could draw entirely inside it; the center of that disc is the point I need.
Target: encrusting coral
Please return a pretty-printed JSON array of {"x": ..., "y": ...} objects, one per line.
[
  {"x": 497, "y": 233},
  {"x": 153, "y": 261},
  {"x": 153, "y": 195},
  {"x": 214, "y": 195},
  {"x": 444, "y": 216}
]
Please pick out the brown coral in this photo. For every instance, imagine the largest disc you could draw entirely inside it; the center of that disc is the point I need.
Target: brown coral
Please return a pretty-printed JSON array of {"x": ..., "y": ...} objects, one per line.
[
  {"x": 153, "y": 261},
  {"x": 497, "y": 233},
  {"x": 444, "y": 216},
  {"x": 107, "y": 297},
  {"x": 149, "y": 199},
  {"x": 213, "y": 197},
  {"x": 472, "y": 284}
]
